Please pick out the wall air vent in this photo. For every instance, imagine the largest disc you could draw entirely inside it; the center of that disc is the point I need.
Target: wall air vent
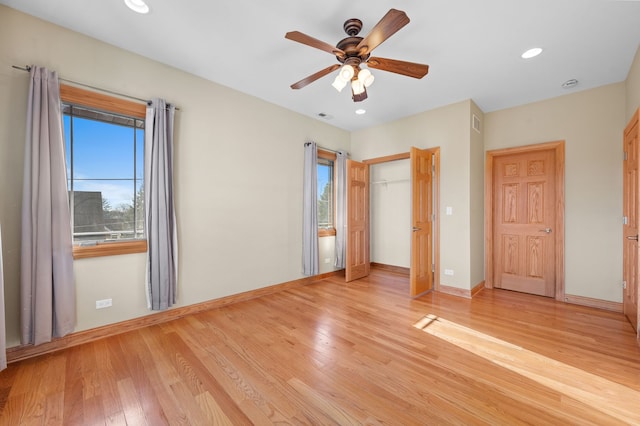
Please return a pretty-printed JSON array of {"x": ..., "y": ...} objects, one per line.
[
  {"x": 570, "y": 84},
  {"x": 475, "y": 123}
]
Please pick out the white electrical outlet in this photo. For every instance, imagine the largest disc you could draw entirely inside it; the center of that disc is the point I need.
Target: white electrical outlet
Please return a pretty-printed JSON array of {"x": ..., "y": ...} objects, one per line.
[
  {"x": 448, "y": 272},
  {"x": 327, "y": 260},
  {"x": 104, "y": 303}
]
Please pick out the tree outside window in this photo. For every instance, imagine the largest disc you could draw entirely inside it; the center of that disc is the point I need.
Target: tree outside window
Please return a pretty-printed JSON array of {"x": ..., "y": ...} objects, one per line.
[{"x": 326, "y": 194}]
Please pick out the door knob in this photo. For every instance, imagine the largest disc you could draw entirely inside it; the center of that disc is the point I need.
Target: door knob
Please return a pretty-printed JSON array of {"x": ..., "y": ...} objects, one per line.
[
  {"x": 547, "y": 230},
  {"x": 415, "y": 228},
  {"x": 632, "y": 237}
]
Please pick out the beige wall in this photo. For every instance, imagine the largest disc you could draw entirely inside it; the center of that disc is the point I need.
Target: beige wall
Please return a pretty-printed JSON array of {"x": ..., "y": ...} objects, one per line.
[
  {"x": 591, "y": 123},
  {"x": 633, "y": 87},
  {"x": 238, "y": 175},
  {"x": 476, "y": 198},
  {"x": 391, "y": 213},
  {"x": 447, "y": 128}
]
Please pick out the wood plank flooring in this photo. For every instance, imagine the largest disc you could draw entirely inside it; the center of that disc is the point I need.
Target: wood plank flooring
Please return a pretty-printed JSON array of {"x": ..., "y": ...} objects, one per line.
[{"x": 337, "y": 353}]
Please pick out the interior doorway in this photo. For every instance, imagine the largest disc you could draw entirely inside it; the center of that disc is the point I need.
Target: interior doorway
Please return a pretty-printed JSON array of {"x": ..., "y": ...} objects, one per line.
[
  {"x": 411, "y": 189},
  {"x": 524, "y": 219}
]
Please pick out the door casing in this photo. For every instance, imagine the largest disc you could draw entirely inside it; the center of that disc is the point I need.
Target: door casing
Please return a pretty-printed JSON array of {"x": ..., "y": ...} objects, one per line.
[{"x": 558, "y": 147}]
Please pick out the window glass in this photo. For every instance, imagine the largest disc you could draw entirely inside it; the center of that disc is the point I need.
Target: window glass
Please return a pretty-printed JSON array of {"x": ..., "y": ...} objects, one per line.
[
  {"x": 325, "y": 193},
  {"x": 105, "y": 174}
]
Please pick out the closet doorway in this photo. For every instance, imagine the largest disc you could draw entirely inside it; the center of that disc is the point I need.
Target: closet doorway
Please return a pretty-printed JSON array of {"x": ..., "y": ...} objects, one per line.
[{"x": 405, "y": 227}]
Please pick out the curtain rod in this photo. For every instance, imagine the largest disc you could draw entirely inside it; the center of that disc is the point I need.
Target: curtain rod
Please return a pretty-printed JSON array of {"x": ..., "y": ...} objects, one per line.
[
  {"x": 327, "y": 149},
  {"x": 28, "y": 68}
]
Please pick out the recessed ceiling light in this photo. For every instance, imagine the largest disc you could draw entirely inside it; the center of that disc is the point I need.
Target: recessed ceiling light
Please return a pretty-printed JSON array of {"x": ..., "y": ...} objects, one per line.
[
  {"x": 138, "y": 6},
  {"x": 361, "y": 111},
  {"x": 531, "y": 53}
]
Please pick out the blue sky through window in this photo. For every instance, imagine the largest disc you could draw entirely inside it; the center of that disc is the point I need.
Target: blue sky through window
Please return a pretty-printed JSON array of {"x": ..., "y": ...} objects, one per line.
[{"x": 103, "y": 155}]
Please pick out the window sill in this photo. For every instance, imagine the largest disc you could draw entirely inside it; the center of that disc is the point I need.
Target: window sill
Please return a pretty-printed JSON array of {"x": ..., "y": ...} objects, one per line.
[
  {"x": 109, "y": 249},
  {"x": 327, "y": 232}
]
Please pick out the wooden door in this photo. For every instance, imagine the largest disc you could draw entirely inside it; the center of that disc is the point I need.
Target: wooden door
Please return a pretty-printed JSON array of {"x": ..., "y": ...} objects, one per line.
[
  {"x": 631, "y": 207},
  {"x": 357, "y": 244},
  {"x": 524, "y": 214},
  {"x": 421, "y": 274}
]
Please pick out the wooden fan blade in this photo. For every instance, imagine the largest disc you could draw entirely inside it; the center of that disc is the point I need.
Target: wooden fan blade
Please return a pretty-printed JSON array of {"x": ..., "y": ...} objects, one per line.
[
  {"x": 410, "y": 69},
  {"x": 314, "y": 77},
  {"x": 314, "y": 42},
  {"x": 388, "y": 26}
]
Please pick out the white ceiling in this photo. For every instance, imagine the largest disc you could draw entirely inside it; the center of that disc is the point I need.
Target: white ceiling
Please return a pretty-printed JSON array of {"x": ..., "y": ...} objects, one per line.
[{"x": 472, "y": 47}]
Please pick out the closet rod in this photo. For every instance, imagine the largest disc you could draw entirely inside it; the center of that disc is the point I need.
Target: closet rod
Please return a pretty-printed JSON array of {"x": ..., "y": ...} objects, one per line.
[
  {"x": 383, "y": 182},
  {"x": 28, "y": 69}
]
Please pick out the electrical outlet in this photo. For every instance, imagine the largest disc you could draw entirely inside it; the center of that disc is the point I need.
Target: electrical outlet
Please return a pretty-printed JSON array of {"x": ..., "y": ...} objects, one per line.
[
  {"x": 104, "y": 303},
  {"x": 327, "y": 260},
  {"x": 448, "y": 272}
]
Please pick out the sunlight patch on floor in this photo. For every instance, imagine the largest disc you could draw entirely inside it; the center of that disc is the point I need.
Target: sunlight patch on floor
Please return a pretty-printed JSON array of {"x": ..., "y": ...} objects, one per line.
[{"x": 604, "y": 395}]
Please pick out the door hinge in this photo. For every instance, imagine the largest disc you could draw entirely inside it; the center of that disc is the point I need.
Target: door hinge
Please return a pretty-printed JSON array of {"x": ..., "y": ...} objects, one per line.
[
  {"x": 433, "y": 217},
  {"x": 625, "y": 220},
  {"x": 433, "y": 268},
  {"x": 625, "y": 156},
  {"x": 624, "y": 285}
]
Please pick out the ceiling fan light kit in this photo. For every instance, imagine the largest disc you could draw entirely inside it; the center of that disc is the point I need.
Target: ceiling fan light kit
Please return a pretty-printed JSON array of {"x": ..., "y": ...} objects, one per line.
[
  {"x": 353, "y": 51},
  {"x": 358, "y": 97},
  {"x": 346, "y": 72},
  {"x": 359, "y": 79},
  {"x": 339, "y": 83},
  {"x": 357, "y": 87},
  {"x": 366, "y": 77}
]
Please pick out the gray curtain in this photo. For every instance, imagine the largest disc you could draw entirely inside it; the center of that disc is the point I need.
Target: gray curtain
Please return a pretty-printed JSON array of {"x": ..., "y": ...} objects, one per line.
[
  {"x": 160, "y": 218},
  {"x": 341, "y": 208},
  {"x": 48, "y": 301},
  {"x": 310, "y": 259},
  {"x": 3, "y": 333}
]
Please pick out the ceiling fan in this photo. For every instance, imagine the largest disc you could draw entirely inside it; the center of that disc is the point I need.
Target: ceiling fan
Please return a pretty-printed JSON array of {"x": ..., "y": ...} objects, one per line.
[{"x": 354, "y": 51}]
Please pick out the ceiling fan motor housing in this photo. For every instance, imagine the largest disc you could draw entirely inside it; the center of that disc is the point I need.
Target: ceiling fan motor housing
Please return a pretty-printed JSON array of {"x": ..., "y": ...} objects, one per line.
[{"x": 348, "y": 45}]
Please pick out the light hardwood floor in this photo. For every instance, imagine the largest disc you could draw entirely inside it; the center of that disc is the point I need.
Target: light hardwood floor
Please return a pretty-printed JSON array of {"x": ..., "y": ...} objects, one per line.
[{"x": 336, "y": 353}]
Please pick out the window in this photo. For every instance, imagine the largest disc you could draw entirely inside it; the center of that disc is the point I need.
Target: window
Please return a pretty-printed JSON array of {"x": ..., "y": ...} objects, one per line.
[
  {"x": 326, "y": 193},
  {"x": 104, "y": 138}
]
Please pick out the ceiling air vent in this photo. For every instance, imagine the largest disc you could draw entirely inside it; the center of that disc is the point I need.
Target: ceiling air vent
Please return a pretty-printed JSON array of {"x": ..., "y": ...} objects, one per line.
[{"x": 475, "y": 123}]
